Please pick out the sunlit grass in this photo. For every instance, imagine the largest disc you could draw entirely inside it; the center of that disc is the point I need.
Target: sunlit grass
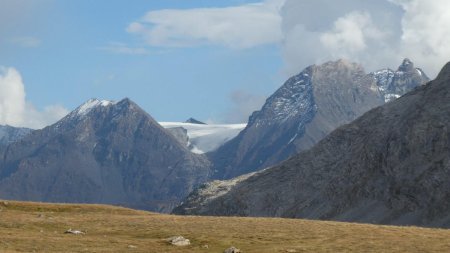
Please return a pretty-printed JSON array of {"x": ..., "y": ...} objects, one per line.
[{"x": 28, "y": 227}]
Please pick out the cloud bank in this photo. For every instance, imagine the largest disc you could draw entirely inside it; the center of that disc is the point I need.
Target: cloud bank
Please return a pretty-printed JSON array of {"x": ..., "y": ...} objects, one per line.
[
  {"x": 16, "y": 111},
  {"x": 237, "y": 27},
  {"x": 375, "y": 33}
]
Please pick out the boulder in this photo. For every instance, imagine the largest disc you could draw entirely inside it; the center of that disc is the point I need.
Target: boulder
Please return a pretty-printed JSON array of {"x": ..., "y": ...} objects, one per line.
[
  {"x": 178, "y": 241},
  {"x": 232, "y": 250}
]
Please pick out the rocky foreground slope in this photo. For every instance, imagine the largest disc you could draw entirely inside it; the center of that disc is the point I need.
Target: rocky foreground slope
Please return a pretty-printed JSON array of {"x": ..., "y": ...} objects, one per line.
[
  {"x": 103, "y": 152},
  {"x": 308, "y": 107},
  {"x": 390, "y": 166}
]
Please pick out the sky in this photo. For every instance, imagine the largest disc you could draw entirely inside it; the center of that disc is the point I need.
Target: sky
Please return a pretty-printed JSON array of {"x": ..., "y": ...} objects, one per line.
[{"x": 216, "y": 61}]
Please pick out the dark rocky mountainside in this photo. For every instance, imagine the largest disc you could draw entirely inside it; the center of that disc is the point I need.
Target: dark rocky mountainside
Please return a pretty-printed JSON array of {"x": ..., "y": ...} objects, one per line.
[
  {"x": 390, "y": 166},
  {"x": 103, "y": 152},
  {"x": 9, "y": 134},
  {"x": 308, "y": 107}
]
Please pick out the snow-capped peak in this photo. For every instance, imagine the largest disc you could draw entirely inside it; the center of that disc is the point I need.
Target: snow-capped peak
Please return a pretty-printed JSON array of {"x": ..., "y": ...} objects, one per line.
[
  {"x": 91, "y": 104},
  {"x": 391, "y": 84}
]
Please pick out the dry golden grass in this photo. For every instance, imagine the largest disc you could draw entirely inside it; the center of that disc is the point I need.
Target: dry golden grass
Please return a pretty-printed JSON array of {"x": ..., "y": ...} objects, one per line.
[{"x": 37, "y": 227}]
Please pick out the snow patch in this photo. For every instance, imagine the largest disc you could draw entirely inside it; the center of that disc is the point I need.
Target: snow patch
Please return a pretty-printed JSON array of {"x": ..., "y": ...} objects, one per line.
[
  {"x": 293, "y": 138},
  {"x": 91, "y": 104}
]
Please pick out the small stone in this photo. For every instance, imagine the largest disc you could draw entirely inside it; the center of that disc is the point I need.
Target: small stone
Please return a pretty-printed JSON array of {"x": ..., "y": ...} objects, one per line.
[
  {"x": 232, "y": 250},
  {"x": 74, "y": 232},
  {"x": 206, "y": 246},
  {"x": 291, "y": 250},
  {"x": 178, "y": 241},
  {"x": 132, "y": 247}
]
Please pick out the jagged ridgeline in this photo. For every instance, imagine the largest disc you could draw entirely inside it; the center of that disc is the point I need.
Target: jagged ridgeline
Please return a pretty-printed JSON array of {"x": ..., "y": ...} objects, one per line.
[
  {"x": 390, "y": 166},
  {"x": 308, "y": 107}
]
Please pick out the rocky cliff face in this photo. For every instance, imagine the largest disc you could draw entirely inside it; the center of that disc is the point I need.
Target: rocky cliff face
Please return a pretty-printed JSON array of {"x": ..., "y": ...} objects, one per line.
[
  {"x": 308, "y": 107},
  {"x": 390, "y": 166},
  {"x": 103, "y": 152}
]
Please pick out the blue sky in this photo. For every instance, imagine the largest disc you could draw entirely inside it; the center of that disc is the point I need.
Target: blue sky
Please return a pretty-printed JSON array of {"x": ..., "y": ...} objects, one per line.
[
  {"x": 71, "y": 64},
  {"x": 212, "y": 60}
]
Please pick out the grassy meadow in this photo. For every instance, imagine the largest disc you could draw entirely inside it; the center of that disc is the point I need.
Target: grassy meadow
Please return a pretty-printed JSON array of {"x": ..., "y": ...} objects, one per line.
[{"x": 39, "y": 227}]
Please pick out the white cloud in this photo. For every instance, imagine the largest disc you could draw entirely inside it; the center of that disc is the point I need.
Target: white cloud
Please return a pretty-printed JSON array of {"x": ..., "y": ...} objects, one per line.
[
  {"x": 426, "y": 32},
  {"x": 121, "y": 48},
  {"x": 12, "y": 97},
  {"x": 16, "y": 111},
  {"x": 239, "y": 27},
  {"x": 375, "y": 33},
  {"x": 350, "y": 34},
  {"x": 360, "y": 30},
  {"x": 26, "y": 41}
]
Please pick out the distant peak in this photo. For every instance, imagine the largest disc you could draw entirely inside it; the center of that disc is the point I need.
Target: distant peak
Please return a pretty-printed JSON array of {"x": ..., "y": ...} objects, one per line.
[
  {"x": 194, "y": 121},
  {"x": 406, "y": 65}
]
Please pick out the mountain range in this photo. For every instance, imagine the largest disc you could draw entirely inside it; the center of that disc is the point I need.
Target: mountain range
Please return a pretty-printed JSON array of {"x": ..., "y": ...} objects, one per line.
[
  {"x": 306, "y": 108},
  {"x": 116, "y": 153},
  {"x": 389, "y": 166}
]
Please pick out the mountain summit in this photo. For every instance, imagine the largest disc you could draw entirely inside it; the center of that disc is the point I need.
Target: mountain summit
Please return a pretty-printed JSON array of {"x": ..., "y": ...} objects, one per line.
[
  {"x": 102, "y": 152},
  {"x": 194, "y": 121},
  {"x": 306, "y": 108},
  {"x": 390, "y": 166},
  {"x": 392, "y": 84}
]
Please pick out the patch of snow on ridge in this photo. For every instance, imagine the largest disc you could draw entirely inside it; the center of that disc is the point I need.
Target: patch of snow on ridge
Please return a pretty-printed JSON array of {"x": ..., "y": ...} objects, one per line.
[
  {"x": 85, "y": 108},
  {"x": 205, "y": 138}
]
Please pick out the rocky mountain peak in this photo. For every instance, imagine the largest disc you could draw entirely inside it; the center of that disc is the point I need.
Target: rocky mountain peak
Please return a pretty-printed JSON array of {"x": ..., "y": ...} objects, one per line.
[
  {"x": 89, "y": 105},
  {"x": 406, "y": 66},
  {"x": 341, "y": 64},
  {"x": 194, "y": 121},
  {"x": 392, "y": 84},
  {"x": 94, "y": 107},
  {"x": 290, "y": 100}
]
